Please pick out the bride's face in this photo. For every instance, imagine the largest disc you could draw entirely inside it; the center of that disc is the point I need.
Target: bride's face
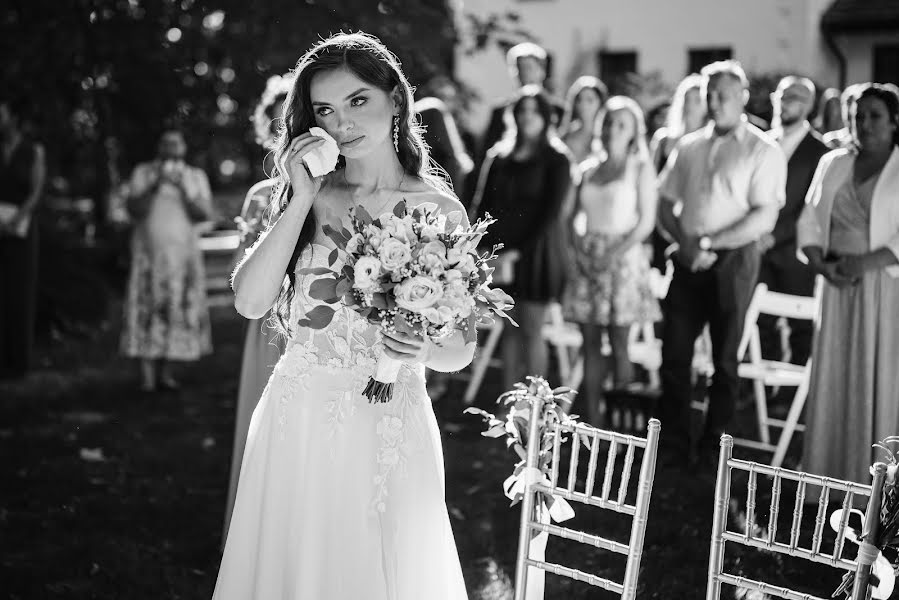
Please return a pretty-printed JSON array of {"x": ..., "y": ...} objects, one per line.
[{"x": 356, "y": 114}]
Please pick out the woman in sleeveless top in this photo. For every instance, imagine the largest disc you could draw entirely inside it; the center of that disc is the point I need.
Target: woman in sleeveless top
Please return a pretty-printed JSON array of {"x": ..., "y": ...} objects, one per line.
[
  {"x": 611, "y": 288},
  {"x": 340, "y": 498}
]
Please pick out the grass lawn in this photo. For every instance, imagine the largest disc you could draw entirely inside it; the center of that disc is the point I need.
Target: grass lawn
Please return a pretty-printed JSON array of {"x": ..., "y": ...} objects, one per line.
[{"x": 108, "y": 493}]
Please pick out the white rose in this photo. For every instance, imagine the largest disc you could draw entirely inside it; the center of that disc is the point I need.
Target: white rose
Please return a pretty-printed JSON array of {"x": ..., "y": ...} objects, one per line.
[
  {"x": 430, "y": 232},
  {"x": 466, "y": 265},
  {"x": 434, "y": 247},
  {"x": 366, "y": 272},
  {"x": 395, "y": 227},
  {"x": 452, "y": 275},
  {"x": 394, "y": 254},
  {"x": 417, "y": 293},
  {"x": 431, "y": 264},
  {"x": 457, "y": 299},
  {"x": 354, "y": 246},
  {"x": 438, "y": 314}
]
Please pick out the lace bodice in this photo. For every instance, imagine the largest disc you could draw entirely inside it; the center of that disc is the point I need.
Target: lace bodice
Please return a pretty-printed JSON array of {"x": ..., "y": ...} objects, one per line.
[{"x": 348, "y": 342}]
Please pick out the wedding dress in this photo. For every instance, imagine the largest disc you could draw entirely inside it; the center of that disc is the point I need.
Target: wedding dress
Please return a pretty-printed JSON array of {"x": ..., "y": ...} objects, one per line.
[{"x": 339, "y": 499}]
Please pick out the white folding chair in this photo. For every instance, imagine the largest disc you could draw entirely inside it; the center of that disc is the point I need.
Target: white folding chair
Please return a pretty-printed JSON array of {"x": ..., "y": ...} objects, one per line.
[
  {"x": 565, "y": 337},
  {"x": 484, "y": 359},
  {"x": 532, "y": 524},
  {"x": 769, "y": 542},
  {"x": 771, "y": 372}
]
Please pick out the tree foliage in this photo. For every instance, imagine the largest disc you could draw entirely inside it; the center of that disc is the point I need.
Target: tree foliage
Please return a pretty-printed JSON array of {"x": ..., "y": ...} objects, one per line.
[{"x": 108, "y": 75}]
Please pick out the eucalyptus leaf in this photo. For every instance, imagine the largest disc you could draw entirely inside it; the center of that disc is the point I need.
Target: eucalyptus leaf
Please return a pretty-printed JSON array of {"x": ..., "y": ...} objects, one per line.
[
  {"x": 317, "y": 318},
  {"x": 400, "y": 209},
  {"x": 324, "y": 289},
  {"x": 363, "y": 215},
  {"x": 315, "y": 271},
  {"x": 343, "y": 287}
]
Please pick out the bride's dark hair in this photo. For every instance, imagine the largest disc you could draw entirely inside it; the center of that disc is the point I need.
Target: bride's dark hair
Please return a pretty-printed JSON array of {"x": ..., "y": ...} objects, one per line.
[{"x": 368, "y": 59}]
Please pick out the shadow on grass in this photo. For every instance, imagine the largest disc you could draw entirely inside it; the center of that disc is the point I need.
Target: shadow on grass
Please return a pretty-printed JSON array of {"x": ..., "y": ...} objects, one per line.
[{"x": 109, "y": 493}]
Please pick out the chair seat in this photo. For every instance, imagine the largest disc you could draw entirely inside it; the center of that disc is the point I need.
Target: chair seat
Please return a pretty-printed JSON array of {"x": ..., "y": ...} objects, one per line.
[
  {"x": 773, "y": 372},
  {"x": 563, "y": 334}
]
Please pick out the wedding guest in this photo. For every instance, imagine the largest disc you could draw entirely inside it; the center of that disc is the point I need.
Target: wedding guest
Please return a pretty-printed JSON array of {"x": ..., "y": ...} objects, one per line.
[
  {"x": 442, "y": 137},
  {"x": 527, "y": 66},
  {"x": 524, "y": 184},
  {"x": 166, "y": 318},
  {"x": 266, "y": 117},
  {"x": 781, "y": 270},
  {"x": 842, "y": 137},
  {"x": 262, "y": 345},
  {"x": 582, "y": 107},
  {"x": 829, "y": 114},
  {"x": 456, "y": 101},
  {"x": 849, "y": 233},
  {"x": 686, "y": 114},
  {"x": 22, "y": 174},
  {"x": 721, "y": 192},
  {"x": 610, "y": 290}
]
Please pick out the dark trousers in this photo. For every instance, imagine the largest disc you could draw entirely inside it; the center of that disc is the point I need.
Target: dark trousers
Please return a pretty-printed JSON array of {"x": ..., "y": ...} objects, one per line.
[
  {"x": 18, "y": 299},
  {"x": 782, "y": 272},
  {"x": 718, "y": 297}
]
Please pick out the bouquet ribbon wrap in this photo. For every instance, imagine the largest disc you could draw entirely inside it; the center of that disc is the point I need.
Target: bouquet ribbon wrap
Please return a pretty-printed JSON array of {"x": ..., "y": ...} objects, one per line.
[{"x": 380, "y": 385}]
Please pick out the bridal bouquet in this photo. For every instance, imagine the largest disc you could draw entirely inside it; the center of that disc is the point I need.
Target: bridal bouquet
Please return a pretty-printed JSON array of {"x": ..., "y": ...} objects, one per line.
[{"x": 411, "y": 271}]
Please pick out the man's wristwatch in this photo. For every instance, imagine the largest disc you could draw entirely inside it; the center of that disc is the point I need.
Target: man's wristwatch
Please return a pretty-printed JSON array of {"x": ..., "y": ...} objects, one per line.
[{"x": 705, "y": 243}]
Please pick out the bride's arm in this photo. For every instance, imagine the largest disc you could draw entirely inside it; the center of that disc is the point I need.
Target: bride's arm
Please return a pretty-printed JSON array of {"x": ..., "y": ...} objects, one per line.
[{"x": 258, "y": 278}]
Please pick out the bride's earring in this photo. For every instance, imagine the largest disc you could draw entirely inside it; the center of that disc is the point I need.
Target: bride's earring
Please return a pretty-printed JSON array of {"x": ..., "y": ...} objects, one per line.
[{"x": 396, "y": 133}]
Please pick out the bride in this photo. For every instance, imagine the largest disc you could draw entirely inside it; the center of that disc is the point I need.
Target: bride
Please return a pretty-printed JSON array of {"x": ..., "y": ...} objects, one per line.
[{"x": 339, "y": 498}]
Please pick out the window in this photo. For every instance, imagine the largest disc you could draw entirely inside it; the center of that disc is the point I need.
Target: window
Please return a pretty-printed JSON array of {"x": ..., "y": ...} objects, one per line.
[
  {"x": 697, "y": 58},
  {"x": 886, "y": 64},
  {"x": 614, "y": 68}
]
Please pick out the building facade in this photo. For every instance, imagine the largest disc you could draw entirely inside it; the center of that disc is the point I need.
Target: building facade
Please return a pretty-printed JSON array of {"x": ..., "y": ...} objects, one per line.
[{"x": 662, "y": 39}]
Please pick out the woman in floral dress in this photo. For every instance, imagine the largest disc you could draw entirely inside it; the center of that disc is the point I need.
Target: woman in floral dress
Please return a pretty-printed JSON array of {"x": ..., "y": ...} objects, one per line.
[{"x": 166, "y": 316}]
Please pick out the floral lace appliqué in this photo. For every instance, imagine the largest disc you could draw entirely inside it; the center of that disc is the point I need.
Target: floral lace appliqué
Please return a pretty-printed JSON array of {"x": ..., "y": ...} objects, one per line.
[{"x": 391, "y": 430}]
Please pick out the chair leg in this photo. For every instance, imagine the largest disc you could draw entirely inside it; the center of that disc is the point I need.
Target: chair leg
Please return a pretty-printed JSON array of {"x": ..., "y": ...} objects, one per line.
[
  {"x": 576, "y": 376},
  {"x": 479, "y": 368},
  {"x": 792, "y": 420},
  {"x": 761, "y": 410}
]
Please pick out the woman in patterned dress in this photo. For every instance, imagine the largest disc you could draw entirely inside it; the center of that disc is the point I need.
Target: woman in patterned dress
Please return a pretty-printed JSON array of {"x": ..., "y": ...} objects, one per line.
[
  {"x": 610, "y": 289},
  {"x": 166, "y": 316}
]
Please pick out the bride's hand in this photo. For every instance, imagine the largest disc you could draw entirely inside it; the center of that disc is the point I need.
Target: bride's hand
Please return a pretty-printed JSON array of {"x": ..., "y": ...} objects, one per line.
[
  {"x": 302, "y": 182},
  {"x": 407, "y": 348}
]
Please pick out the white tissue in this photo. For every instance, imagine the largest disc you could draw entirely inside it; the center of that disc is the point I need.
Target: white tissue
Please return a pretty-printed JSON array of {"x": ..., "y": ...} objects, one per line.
[{"x": 322, "y": 159}]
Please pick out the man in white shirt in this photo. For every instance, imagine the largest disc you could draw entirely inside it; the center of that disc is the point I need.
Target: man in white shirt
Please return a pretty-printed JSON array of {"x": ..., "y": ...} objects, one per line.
[
  {"x": 721, "y": 192},
  {"x": 781, "y": 270}
]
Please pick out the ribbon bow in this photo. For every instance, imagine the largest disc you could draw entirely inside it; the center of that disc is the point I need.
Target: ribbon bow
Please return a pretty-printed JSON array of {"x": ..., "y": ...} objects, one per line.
[
  {"x": 883, "y": 578},
  {"x": 514, "y": 486}
]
